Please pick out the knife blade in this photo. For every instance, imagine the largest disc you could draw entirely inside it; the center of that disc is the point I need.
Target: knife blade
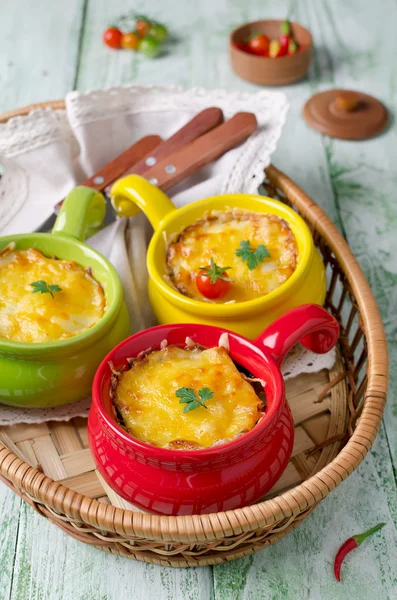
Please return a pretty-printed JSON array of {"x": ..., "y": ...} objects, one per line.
[{"x": 111, "y": 171}]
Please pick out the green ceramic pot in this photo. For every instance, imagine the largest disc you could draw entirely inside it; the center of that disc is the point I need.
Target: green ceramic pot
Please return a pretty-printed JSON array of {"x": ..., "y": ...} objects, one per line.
[{"x": 54, "y": 373}]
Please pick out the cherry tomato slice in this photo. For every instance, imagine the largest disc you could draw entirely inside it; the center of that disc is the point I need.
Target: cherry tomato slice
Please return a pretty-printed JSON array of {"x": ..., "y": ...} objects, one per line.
[
  {"x": 211, "y": 290},
  {"x": 259, "y": 45},
  {"x": 130, "y": 41},
  {"x": 112, "y": 37}
]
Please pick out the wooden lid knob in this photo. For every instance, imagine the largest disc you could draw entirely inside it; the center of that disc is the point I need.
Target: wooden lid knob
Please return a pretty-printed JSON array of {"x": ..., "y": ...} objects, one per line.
[{"x": 347, "y": 101}]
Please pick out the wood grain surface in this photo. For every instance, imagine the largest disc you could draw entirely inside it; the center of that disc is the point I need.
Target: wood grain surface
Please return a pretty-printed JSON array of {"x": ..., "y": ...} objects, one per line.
[{"x": 46, "y": 49}]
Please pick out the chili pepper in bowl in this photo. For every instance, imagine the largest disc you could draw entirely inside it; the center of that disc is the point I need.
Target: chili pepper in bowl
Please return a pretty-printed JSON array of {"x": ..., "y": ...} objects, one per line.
[
  {"x": 284, "y": 38},
  {"x": 351, "y": 544}
]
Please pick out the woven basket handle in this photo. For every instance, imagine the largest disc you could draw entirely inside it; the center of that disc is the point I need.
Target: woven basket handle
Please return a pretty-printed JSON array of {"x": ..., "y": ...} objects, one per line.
[{"x": 311, "y": 325}]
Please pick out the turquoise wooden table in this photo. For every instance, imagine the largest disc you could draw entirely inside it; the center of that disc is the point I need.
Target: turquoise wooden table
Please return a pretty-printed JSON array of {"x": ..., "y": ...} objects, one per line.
[{"x": 48, "y": 48}]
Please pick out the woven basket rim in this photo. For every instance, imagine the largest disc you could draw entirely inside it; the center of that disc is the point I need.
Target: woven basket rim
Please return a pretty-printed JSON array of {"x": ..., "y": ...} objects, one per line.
[{"x": 33, "y": 484}]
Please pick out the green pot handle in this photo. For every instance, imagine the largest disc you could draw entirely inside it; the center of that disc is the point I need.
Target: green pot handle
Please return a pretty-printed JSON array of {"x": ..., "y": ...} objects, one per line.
[{"x": 82, "y": 210}]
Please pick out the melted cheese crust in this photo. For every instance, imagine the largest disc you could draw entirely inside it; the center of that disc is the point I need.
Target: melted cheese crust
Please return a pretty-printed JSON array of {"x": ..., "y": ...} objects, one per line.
[
  {"x": 34, "y": 317},
  {"x": 219, "y": 236},
  {"x": 145, "y": 397}
]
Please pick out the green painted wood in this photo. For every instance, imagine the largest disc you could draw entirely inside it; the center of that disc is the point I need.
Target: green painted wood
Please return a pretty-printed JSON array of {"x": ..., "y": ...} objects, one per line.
[
  {"x": 300, "y": 566},
  {"x": 10, "y": 505},
  {"x": 354, "y": 183},
  {"x": 51, "y": 565},
  {"x": 39, "y": 50}
]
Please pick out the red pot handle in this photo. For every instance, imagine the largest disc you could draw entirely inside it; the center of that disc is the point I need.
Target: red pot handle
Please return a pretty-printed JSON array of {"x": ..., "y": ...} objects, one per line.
[{"x": 309, "y": 324}]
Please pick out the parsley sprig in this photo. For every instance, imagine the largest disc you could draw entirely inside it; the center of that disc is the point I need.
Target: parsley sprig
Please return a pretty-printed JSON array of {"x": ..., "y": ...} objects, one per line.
[
  {"x": 250, "y": 256},
  {"x": 42, "y": 287},
  {"x": 215, "y": 272},
  {"x": 188, "y": 396}
]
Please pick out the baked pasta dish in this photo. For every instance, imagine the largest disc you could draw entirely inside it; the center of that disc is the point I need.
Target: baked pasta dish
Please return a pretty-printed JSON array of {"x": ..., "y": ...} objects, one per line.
[
  {"x": 185, "y": 398},
  {"x": 232, "y": 256},
  {"x": 45, "y": 299}
]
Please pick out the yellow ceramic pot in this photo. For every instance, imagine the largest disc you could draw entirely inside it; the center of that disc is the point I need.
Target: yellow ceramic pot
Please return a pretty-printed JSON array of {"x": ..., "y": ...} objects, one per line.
[{"x": 306, "y": 285}]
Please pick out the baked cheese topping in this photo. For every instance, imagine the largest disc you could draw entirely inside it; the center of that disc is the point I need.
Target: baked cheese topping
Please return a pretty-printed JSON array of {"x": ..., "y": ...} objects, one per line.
[
  {"x": 38, "y": 317},
  {"x": 219, "y": 237},
  {"x": 145, "y": 396}
]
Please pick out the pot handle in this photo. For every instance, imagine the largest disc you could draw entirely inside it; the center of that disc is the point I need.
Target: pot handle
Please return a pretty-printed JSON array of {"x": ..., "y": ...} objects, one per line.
[
  {"x": 310, "y": 324},
  {"x": 133, "y": 193},
  {"x": 82, "y": 210}
]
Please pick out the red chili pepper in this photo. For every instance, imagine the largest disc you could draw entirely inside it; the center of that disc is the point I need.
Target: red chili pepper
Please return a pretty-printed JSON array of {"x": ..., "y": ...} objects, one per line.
[
  {"x": 284, "y": 40},
  {"x": 349, "y": 545}
]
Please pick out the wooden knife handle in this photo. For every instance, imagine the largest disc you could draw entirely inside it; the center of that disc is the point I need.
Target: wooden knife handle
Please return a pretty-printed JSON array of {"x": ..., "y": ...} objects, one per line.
[
  {"x": 116, "y": 167},
  {"x": 204, "y": 121},
  {"x": 184, "y": 162}
]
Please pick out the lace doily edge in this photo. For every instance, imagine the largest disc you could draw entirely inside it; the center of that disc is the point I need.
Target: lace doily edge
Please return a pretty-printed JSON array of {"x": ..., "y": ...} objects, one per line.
[{"x": 247, "y": 173}]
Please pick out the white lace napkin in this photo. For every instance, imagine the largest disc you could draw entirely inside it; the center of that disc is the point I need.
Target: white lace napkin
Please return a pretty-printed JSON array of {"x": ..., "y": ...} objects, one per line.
[{"x": 46, "y": 153}]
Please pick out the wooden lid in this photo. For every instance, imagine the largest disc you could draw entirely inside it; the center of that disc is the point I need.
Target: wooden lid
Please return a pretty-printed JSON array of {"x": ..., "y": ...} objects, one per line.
[{"x": 345, "y": 114}]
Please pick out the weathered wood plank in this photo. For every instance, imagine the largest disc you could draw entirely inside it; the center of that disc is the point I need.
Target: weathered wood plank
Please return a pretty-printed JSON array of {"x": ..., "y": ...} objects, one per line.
[
  {"x": 353, "y": 182},
  {"x": 10, "y": 505},
  {"x": 300, "y": 565},
  {"x": 364, "y": 178},
  {"x": 39, "y": 49},
  {"x": 50, "y": 565}
]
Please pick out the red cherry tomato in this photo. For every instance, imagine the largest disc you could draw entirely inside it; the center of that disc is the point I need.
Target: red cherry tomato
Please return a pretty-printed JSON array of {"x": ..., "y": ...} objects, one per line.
[
  {"x": 211, "y": 290},
  {"x": 212, "y": 280},
  {"x": 259, "y": 45},
  {"x": 112, "y": 37},
  {"x": 142, "y": 27}
]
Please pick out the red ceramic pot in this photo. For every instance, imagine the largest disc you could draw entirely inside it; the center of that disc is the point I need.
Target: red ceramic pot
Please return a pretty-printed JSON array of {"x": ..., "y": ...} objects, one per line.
[{"x": 224, "y": 477}]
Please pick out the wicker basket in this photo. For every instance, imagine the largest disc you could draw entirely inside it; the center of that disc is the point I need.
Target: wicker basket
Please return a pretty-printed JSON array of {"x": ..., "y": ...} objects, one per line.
[{"x": 337, "y": 418}]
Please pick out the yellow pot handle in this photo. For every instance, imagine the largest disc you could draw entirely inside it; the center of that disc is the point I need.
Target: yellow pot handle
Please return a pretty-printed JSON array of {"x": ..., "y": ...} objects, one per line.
[{"x": 133, "y": 193}]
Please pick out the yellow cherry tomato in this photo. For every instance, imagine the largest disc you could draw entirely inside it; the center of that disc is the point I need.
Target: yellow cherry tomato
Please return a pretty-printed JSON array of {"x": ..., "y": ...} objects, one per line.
[{"x": 130, "y": 41}]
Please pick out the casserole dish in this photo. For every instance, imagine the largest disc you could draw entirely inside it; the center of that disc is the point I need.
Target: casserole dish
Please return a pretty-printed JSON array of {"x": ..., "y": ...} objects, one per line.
[
  {"x": 59, "y": 372},
  {"x": 221, "y": 477},
  {"x": 305, "y": 285}
]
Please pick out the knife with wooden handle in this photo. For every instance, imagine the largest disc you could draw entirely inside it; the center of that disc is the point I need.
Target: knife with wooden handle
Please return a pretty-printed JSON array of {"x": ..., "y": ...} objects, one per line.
[
  {"x": 204, "y": 121},
  {"x": 191, "y": 158},
  {"x": 145, "y": 153},
  {"x": 111, "y": 171}
]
